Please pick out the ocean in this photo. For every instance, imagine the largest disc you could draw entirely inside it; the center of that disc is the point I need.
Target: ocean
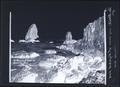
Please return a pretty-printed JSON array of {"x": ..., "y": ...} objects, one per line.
[{"x": 43, "y": 62}]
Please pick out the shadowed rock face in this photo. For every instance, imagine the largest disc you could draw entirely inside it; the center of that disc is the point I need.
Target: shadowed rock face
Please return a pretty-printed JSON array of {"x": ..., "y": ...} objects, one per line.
[{"x": 93, "y": 36}]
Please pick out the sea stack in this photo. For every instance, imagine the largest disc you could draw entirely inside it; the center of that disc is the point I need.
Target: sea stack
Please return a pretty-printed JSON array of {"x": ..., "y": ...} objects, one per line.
[
  {"x": 69, "y": 39},
  {"x": 69, "y": 36},
  {"x": 31, "y": 35}
]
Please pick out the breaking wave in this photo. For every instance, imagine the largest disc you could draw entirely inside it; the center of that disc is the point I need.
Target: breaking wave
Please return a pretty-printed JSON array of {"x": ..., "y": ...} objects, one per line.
[{"x": 24, "y": 54}]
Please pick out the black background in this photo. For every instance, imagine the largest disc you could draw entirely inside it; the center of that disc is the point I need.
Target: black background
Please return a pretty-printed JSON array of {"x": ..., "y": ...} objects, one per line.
[{"x": 53, "y": 19}]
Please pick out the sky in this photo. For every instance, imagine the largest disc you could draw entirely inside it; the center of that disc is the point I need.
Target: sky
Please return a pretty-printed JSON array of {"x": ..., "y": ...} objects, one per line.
[{"x": 54, "y": 18}]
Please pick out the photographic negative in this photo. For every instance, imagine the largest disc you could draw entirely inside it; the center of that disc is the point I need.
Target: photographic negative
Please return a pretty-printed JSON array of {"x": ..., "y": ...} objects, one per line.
[{"x": 58, "y": 56}]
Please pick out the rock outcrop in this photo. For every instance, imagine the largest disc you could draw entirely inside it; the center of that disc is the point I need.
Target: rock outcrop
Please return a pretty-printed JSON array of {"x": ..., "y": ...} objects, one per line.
[
  {"x": 93, "y": 36},
  {"x": 31, "y": 35},
  {"x": 68, "y": 44},
  {"x": 69, "y": 39}
]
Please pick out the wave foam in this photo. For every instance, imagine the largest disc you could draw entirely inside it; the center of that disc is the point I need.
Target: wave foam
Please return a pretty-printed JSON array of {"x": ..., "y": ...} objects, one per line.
[{"x": 23, "y": 54}]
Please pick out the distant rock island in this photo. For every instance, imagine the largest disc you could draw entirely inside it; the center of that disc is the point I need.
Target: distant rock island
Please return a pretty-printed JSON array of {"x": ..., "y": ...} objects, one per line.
[
  {"x": 31, "y": 35},
  {"x": 69, "y": 39}
]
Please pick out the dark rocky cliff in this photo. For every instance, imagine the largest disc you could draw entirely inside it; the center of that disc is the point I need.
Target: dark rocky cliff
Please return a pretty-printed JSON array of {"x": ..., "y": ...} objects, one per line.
[{"x": 93, "y": 36}]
